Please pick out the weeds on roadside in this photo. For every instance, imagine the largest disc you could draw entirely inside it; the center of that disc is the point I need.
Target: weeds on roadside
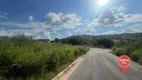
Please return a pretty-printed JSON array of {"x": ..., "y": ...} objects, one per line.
[{"x": 24, "y": 58}]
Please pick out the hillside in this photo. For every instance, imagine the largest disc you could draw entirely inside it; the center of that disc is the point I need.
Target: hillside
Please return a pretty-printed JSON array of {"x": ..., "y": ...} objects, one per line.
[{"x": 90, "y": 40}]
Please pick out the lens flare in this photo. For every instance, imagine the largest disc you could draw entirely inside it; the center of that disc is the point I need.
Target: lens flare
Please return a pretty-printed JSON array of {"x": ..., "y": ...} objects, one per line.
[{"x": 102, "y": 2}]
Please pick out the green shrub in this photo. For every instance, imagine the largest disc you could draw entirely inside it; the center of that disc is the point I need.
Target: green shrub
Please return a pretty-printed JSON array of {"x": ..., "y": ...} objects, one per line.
[
  {"x": 128, "y": 50},
  {"x": 137, "y": 56},
  {"x": 107, "y": 43},
  {"x": 22, "y": 57},
  {"x": 140, "y": 60},
  {"x": 134, "y": 54},
  {"x": 123, "y": 51},
  {"x": 119, "y": 52}
]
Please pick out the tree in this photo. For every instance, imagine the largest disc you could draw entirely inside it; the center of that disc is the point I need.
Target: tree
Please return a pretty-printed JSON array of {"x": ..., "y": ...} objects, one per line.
[
  {"x": 107, "y": 43},
  {"x": 57, "y": 40}
]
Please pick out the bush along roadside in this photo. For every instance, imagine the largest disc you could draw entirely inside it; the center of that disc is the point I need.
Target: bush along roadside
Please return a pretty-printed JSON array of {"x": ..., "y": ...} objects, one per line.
[
  {"x": 22, "y": 58},
  {"x": 134, "y": 53}
]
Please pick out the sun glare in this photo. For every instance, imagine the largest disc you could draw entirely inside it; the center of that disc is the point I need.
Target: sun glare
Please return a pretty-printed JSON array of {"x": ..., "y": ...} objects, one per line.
[{"x": 102, "y": 2}]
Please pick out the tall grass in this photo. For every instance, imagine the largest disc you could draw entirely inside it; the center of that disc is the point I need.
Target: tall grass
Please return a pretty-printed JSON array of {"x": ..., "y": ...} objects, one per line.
[{"x": 24, "y": 58}]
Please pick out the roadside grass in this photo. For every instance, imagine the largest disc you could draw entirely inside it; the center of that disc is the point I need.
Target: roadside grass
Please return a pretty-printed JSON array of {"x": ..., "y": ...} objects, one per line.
[{"x": 22, "y": 58}]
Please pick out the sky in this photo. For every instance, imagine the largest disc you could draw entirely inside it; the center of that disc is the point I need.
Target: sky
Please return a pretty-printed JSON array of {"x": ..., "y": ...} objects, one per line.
[{"x": 52, "y": 19}]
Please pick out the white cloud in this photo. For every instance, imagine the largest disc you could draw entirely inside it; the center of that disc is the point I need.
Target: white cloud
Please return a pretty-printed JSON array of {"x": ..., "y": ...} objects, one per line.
[
  {"x": 63, "y": 20},
  {"x": 47, "y": 35},
  {"x": 54, "y": 20},
  {"x": 108, "y": 18},
  {"x": 122, "y": 7},
  {"x": 3, "y": 15},
  {"x": 37, "y": 27},
  {"x": 133, "y": 29},
  {"x": 25, "y": 25},
  {"x": 94, "y": 23},
  {"x": 132, "y": 17},
  {"x": 11, "y": 32},
  {"x": 56, "y": 29},
  {"x": 56, "y": 34},
  {"x": 3, "y": 33},
  {"x": 88, "y": 30},
  {"x": 35, "y": 32},
  {"x": 110, "y": 32},
  {"x": 27, "y": 33},
  {"x": 69, "y": 33},
  {"x": 30, "y": 18}
]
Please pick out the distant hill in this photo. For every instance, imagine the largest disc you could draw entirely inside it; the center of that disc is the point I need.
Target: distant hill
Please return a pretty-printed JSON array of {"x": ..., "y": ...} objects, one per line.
[
  {"x": 121, "y": 36},
  {"x": 90, "y": 40}
]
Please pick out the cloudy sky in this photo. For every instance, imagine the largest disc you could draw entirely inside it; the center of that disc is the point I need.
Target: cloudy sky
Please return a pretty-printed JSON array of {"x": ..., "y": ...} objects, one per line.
[{"x": 62, "y": 18}]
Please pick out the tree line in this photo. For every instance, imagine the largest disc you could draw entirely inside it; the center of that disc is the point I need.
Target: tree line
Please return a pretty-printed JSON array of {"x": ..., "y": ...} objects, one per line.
[{"x": 106, "y": 41}]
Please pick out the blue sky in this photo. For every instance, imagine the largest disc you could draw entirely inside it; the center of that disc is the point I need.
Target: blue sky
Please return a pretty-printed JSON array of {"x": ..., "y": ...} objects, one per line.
[{"x": 62, "y": 18}]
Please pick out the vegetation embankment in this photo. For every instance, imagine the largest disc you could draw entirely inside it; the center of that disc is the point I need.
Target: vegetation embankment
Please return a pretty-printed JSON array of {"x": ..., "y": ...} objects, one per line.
[
  {"x": 87, "y": 40},
  {"x": 132, "y": 48},
  {"x": 22, "y": 58}
]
